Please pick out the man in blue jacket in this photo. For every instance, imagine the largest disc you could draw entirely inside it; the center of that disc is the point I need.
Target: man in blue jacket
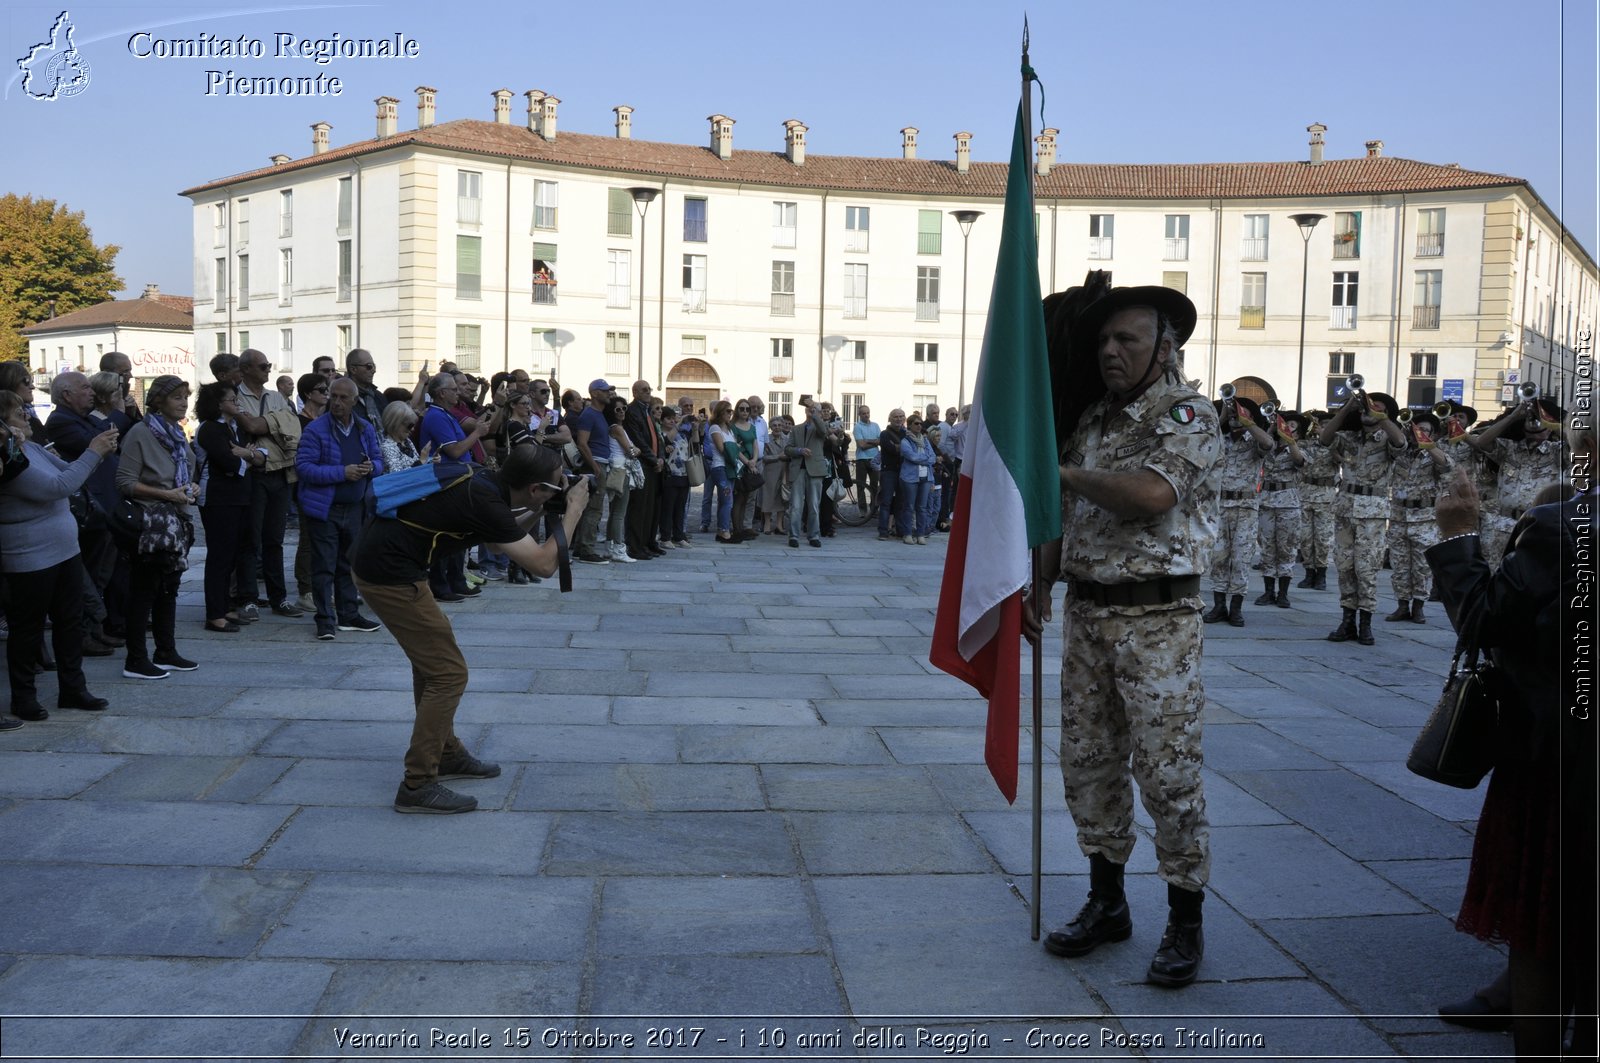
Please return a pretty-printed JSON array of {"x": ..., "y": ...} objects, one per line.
[{"x": 337, "y": 459}]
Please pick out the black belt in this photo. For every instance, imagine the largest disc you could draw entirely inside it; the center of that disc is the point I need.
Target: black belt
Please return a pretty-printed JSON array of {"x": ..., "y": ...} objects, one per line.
[
  {"x": 1237, "y": 496},
  {"x": 1163, "y": 591},
  {"x": 1413, "y": 503},
  {"x": 1358, "y": 489},
  {"x": 1278, "y": 485},
  {"x": 1317, "y": 482}
]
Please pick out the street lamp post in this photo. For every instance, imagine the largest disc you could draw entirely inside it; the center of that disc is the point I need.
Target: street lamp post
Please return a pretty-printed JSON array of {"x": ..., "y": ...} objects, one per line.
[
  {"x": 1307, "y": 222},
  {"x": 643, "y": 196},
  {"x": 964, "y": 218}
]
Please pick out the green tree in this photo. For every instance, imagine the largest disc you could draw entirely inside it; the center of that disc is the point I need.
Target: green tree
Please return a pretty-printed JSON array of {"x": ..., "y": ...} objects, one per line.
[{"x": 47, "y": 255}]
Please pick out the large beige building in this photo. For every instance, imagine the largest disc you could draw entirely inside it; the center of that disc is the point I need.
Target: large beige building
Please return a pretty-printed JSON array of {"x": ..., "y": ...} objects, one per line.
[{"x": 504, "y": 243}]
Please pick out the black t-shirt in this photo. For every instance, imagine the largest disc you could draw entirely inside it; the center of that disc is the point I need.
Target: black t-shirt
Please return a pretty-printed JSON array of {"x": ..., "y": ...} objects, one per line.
[{"x": 394, "y": 553}]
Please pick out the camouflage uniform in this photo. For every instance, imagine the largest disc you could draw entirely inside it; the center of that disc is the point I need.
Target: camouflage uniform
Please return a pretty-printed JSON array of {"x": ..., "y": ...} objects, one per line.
[
  {"x": 1523, "y": 469},
  {"x": 1130, "y": 675},
  {"x": 1416, "y": 484},
  {"x": 1366, "y": 459},
  {"x": 1236, "y": 550},
  {"x": 1280, "y": 513},
  {"x": 1319, "y": 478}
]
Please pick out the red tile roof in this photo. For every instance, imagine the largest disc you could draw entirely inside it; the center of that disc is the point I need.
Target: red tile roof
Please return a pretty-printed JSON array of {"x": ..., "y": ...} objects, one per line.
[
  {"x": 158, "y": 312},
  {"x": 1091, "y": 181}
]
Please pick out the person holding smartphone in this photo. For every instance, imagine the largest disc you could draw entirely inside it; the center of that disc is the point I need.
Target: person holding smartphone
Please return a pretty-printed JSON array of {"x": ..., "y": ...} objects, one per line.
[{"x": 338, "y": 456}]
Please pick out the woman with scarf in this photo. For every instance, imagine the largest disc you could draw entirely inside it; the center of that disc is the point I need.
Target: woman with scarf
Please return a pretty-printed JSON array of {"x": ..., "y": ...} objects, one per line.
[{"x": 156, "y": 472}]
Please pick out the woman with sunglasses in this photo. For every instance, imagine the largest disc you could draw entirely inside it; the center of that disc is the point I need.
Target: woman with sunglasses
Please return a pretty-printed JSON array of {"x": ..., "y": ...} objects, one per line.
[
  {"x": 720, "y": 453},
  {"x": 748, "y": 481},
  {"x": 916, "y": 483}
]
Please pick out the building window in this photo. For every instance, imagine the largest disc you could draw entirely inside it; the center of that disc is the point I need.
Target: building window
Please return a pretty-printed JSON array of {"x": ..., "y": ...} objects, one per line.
[
  {"x": 1177, "y": 280},
  {"x": 1345, "y": 291},
  {"x": 855, "y": 361},
  {"x": 219, "y": 225},
  {"x": 244, "y": 282},
  {"x": 1347, "y": 234},
  {"x": 1176, "y": 247},
  {"x": 1253, "y": 244},
  {"x": 242, "y": 222},
  {"x": 344, "y": 345},
  {"x": 922, "y": 402},
  {"x": 927, "y": 293},
  {"x": 781, "y": 367},
  {"x": 345, "y": 266},
  {"x": 779, "y": 404},
  {"x": 285, "y": 276},
  {"x": 469, "y": 267},
  {"x": 619, "y": 213},
  {"x": 469, "y": 348},
  {"x": 286, "y": 213},
  {"x": 1253, "y": 300},
  {"x": 619, "y": 279},
  {"x": 849, "y": 403},
  {"x": 619, "y": 353},
  {"x": 783, "y": 224},
  {"x": 1430, "y": 232},
  {"x": 1425, "y": 302},
  {"x": 694, "y": 220},
  {"x": 544, "y": 351},
  {"x": 469, "y": 197},
  {"x": 544, "y": 274},
  {"x": 244, "y": 339},
  {"x": 544, "y": 204},
  {"x": 694, "y": 284},
  {"x": 857, "y": 228},
  {"x": 1422, "y": 389},
  {"x": 286, "y": 345},
  {"x": 219, "y": 338},
  {"x": 930, "y": 232},
  {"x": 1101, "y": 230},
  {"x": 1340, "y": 365},
  {"x": 346, "y": 207},
  {"x": 925, "y": 357},
  {"x": 855, "y": 289},
  {"x": 782, "y": 289}
]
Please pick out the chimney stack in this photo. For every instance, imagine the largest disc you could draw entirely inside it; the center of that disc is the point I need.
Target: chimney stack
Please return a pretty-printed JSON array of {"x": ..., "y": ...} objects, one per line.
[
  {"x": 425, "y": 97},
  {"x": 547, "y": 124},
  {"x": 388, "y": 116},
  {"x": 1316, "y": 129},
  {"x": 151, "y": 291},
  {"x": 624, "y": 121},
  {"x": 280, "y": 159},
  {"x": 963, "y": 152},
  {"x": 1374, "y": 149},
  {"x": 908, "y": 142},
  {"x": 502, "y": 106},
  {"x": 794, "y": 138},
  {"x": 319, "y": 137},
  {"x": 535, "y": 109},
  {"x": 1046, "y": 157},
  {"x": 722, "y": 136}
]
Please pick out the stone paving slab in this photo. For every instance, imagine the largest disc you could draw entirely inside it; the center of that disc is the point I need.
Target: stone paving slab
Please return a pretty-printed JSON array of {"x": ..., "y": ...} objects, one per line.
[
  {"x": 842, "y": 843},
  {"x": 138, "y": 832},
  {"x": 754, "y": 709},
  {"x": 1340, "y": 807},
  {"x": 783, "y": 745},
  {"x": 49, "y": 774},
  {"x": 832, "y": 788},
  {"x": 173, "y": 736},
  {"x": 665, "y": 917},
  {"x": 375, "y": 839},
  {"x": 670, "y": 843},
  {"x": 640, "y": 788},
  {"x": 1308, "y": 876}
]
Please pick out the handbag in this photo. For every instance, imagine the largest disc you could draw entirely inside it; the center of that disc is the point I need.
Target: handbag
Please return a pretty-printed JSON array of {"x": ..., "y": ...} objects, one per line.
[
  {"x": 1458, "y": 743},
  {"x": 836, "y": 490},
  {"x": 752, "y": 479},
  {"x": 696, "y": 468},
  {"x": 635, "y": 474},
  {"x": 126, "y": 523}
]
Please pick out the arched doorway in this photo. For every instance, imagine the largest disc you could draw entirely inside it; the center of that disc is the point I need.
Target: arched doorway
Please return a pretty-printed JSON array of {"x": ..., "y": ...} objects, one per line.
[
  {"x": 1255, "y": 389},
  {"x": 695, "y": 378}
]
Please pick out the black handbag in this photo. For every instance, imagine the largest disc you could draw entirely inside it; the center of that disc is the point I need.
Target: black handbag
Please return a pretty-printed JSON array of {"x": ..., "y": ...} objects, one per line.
[
  {"x": 126, "y": 524},
  {"x": 1457, "y": 745}
]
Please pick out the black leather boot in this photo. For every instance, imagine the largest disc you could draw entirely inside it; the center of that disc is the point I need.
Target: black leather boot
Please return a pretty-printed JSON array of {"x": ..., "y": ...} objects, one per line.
[
  {"x": 1310, "y": 581},
  {"x": 1183, "y": 944},
  {"x": 1236, "y": 611},
  {"x": 1268, "y": 596},
  {"x": 1283, "y": 592},
  {"x": 1364, "y": 629},
  {"x": 1402, "y": 612},
  {"x": 1322, "y": 578},
  {"x": 1346, "y": 629},
  {"x": 1219, "y": 611},
  {"x": 1416, "y": 611},
  {"x": 1104, "y": 916}
]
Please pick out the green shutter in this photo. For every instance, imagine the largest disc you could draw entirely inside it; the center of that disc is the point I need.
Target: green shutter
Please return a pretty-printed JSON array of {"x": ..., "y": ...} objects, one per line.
[
  {"x": 930, "y": 232},
  {"x": 619, "y": 213}
]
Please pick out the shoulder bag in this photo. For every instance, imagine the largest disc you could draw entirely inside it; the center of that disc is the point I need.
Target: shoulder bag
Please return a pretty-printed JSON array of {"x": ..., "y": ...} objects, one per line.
[{"x": 1457, "y": 745}]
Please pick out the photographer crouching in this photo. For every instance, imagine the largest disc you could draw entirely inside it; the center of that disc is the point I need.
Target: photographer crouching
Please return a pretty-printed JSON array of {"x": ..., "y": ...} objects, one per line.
[{"x": 391, "y": 571}]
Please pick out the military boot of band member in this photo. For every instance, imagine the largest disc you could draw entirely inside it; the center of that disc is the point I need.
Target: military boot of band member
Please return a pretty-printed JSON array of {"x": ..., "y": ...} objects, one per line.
[
  {"x": 1364, "y": 629},
  {"x": 1322, "y": 578},
  {"x": 1416, "y": 611},
  {"x": 1236, "y": 611},
  {"x": 1402, "y": 612},
  {"x": 1283, "y": 592},
  {"x": 1346, "y": 629},
  {"x": 1219, "y": 611},
  {"x": 1183, "y": 944},
  {"x": 1104, "y": 916},
  {"x": 1310, "y": 581},
  {"x": 1269, "y": 596}
]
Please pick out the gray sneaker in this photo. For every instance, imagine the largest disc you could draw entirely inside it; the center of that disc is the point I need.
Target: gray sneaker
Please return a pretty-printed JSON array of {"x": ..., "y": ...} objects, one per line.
[
  {"x": 307, "y": 603},
  {"x": 466, "y": 766},
  {"x": 432, "y": 799}
]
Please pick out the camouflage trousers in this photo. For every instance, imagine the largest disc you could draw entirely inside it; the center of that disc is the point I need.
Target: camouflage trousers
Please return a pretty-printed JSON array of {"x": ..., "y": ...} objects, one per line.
[
  {"x": 1408, "y": 569},
  {"x": 1358, "y": 551},
  {"x": 1236, "y": 551},
  {"x": 1494, "y": 532},
  {"x": 1316, "y": 529},
  {"x": 1131, "y": 695},
  {"x": 1278, "y": 532}
]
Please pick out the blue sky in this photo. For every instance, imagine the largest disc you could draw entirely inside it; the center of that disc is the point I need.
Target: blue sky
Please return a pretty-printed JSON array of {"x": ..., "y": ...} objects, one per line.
[{"x": 1466, "y": 81}]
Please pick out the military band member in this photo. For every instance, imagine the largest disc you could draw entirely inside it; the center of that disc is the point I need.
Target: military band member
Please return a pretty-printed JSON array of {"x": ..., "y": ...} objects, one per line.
[
  {"x": 1139, "y": 502},
  {"x": 1365, "y": 441},
  {"x": 1244, "y": 445},
  {"x": 1279, "y": 528},
  {"x": 1525, "y": 452},
  {"x": 1319, "y": 486},
  {"x": 1419, "y": 475}
]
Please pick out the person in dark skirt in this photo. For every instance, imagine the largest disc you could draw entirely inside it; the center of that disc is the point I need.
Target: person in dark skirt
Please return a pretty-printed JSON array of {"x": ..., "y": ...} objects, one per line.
[{"x": 225, "y": 484}]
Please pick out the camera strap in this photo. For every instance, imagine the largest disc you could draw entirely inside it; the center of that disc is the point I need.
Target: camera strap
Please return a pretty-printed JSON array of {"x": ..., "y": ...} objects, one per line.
[{"x": 555, "y": 530}]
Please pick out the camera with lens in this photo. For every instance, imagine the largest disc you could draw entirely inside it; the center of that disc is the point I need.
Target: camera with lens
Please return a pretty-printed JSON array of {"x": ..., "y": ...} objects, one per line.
[{"x": 556, "y": 504}]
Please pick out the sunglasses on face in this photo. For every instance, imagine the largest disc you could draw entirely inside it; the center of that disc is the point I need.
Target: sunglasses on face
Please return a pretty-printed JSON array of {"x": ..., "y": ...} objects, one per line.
[{"x": 322, "y": 391}]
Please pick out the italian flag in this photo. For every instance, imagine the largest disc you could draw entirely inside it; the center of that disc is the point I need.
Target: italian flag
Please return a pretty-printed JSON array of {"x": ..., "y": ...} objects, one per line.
[{"x": 1009, "y": 497}]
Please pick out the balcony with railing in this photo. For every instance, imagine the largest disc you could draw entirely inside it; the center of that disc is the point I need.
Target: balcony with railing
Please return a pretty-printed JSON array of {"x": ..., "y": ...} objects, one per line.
[
  {"x": 694, "y": 300},
  {"x": 1425, "y": 317},
  {"x": 854, "y": 370},
  {"x": 927, "y": 311},
  {"x": 929, "y": 243},
  {"x": 469, "y": 210},
  {"x": 926, "y": 373},
  {"x": 1346, "y": 245},
  {"x": 783, "y": 304},
  {"x": 1342, "y": 317},
  {"x": 1252, "y": 317},
  {"x": 544, "y": 292},
  {"x": 855, "y": 239},
  {"x": 694, "y": 230},
  {"x": 1253, "y": 248},
  {"x": 781, "y": 369},
  {"x": 783, "y": 236},
  {"x": 855, "y": 306},
  {"x": 1176, "y": 249},
  {"x": 618, "y": 296},
  {"x": 1430, "y": 245},
  {"x": 1100, "y": 247}
]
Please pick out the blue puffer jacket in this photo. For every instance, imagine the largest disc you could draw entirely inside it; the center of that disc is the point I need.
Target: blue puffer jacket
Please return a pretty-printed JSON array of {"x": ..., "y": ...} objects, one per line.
[{"x": 320, "y": 463}]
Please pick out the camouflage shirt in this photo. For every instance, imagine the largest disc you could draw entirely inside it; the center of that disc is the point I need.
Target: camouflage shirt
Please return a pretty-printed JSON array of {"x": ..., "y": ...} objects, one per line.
[
  {"x": 1279, "y": 468},
  {"x": 1367, "y": 459},
  {"x": 1524, "y": 470},
  {"x": 1240, "y": 471},
  {"x": 1319, "y": 476},
  {"x": 1418, "y": 479},
  {"x": 1172, "y": 431}
]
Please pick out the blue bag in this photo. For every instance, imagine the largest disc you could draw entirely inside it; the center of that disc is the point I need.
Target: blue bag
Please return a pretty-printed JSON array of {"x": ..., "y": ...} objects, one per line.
[{"x": 395, "y": 489}]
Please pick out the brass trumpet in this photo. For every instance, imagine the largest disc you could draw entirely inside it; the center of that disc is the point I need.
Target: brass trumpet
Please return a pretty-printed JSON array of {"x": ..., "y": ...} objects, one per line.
[
  {"x": 1269, "y": 409},
  {"x": 1405, "y": 417},
  {"x": 1227, "y": 392},
  {"x": 1528, "y": 392},
  {"x": 1443, "y": 409},
  {"x": 1355, "y": 382}
]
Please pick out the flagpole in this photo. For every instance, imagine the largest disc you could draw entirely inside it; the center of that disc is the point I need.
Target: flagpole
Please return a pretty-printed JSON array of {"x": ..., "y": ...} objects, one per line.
[{"x": 1037, "y": 591}]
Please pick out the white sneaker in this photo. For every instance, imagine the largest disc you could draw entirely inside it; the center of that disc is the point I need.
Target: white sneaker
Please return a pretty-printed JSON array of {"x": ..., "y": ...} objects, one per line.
[
  {"x": 620, "y": 553},
  {"x": 665, "y": 545},
  {"x": 910, "y": 540}
]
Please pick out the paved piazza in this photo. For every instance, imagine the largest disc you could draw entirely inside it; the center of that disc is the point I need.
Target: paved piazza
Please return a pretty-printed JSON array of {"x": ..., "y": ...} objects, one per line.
[{"x": 737, "y": 803}]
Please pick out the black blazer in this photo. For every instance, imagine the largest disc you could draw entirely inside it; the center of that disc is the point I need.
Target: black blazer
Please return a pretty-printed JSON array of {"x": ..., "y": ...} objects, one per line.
[{"x": 637, "y": 425}]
